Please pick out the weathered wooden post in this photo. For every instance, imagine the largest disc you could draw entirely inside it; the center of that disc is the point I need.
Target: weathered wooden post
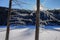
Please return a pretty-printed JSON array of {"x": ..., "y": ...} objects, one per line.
[
  {"x": 37, "y": 20},
  {"x": 8, "y": 23}
]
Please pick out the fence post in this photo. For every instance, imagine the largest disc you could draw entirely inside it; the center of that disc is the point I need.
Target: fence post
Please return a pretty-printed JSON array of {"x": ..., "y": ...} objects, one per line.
[
  {"x": 37, "y": 20},
  {"x": 8, "y": 19}
]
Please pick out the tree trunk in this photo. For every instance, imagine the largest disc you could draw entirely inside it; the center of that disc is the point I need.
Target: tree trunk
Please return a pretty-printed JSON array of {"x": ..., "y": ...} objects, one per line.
[
  {"x": 8, "y": 19},
  {"x": 37, "y": 20}
]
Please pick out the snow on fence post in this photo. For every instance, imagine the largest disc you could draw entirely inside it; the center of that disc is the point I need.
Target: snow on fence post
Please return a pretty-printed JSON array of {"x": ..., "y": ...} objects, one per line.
[
  {"x": 37, "y": 20},
  {"x": 8, "y": 19}
]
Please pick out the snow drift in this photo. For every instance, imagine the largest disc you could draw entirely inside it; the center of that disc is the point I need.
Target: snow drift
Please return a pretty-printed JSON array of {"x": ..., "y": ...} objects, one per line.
[{"x": 29, "y": 34}]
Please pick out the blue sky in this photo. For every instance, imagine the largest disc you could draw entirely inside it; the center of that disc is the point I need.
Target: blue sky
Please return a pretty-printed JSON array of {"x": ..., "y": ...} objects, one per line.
[{"x": 50, "y": 4}]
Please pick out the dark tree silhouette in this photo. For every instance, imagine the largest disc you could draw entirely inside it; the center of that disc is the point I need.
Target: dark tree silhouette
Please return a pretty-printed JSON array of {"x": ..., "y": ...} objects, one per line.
[
  {"x": 37, "y": 20},
  {"x": 8, "y": 23}
]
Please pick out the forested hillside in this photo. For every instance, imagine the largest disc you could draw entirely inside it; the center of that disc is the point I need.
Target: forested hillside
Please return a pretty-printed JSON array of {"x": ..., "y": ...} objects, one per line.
[{"x": 27, "y": 17}]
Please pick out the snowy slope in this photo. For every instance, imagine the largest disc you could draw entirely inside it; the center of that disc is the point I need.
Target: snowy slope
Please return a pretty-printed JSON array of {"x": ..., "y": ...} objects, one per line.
[{"x": 28, "y": 34}]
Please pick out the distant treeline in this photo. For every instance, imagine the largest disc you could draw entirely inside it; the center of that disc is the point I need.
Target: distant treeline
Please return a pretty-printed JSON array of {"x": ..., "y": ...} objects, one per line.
[{"x": 4, "y": 13}]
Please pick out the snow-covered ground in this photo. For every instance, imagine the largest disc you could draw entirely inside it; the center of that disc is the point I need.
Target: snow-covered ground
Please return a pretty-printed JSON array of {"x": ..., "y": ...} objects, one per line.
[{"x": 29, "y": 34}]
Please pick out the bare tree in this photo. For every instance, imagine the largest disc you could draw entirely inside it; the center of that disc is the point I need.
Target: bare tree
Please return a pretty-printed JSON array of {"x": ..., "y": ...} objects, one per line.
[
  {"x": 8, "y": 23},
  {"x": 37, "y": 20}
]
